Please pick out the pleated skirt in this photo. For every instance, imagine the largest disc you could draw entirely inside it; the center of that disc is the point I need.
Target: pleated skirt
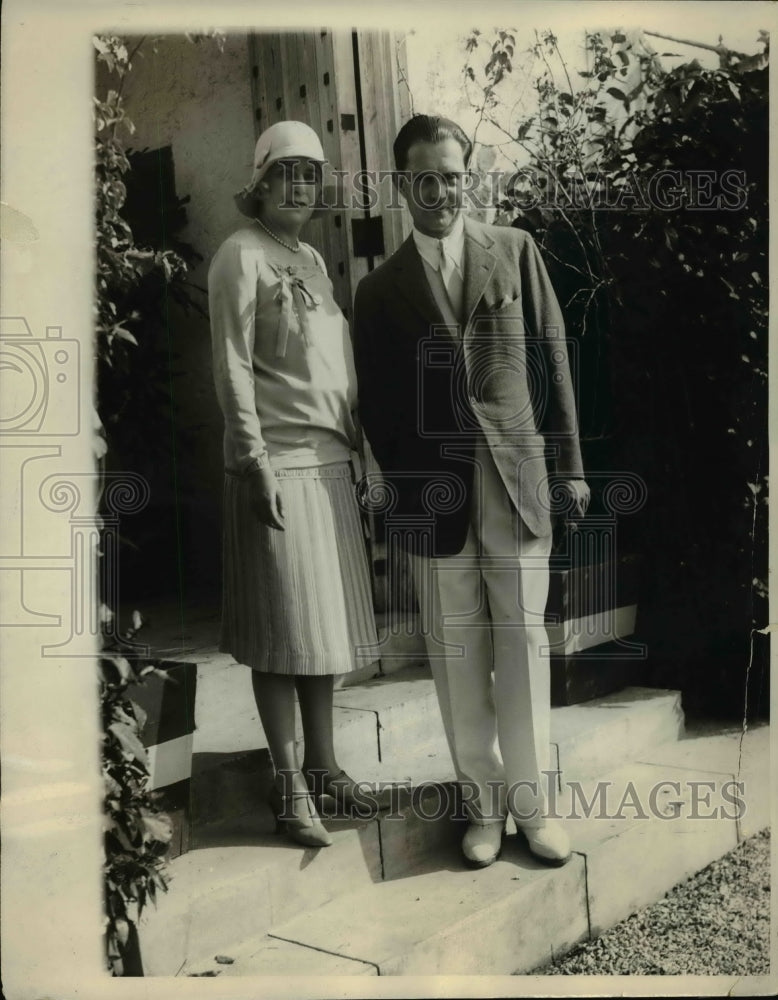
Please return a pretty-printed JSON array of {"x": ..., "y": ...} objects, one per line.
[{"x": 298, "y": 601}]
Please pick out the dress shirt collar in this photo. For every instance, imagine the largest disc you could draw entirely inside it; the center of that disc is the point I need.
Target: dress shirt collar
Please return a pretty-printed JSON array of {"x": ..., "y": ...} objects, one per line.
[{"x": 454, "y": 244}]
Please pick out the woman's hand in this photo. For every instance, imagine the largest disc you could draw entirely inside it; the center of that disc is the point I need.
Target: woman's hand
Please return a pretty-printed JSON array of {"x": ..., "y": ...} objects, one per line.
[{"x": 265, "y": 498}]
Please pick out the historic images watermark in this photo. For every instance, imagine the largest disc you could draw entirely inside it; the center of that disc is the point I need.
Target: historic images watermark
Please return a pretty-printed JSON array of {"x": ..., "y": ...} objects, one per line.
[
  {"x": 604, "y": 800},
  {"x": 664, "y": 190}
]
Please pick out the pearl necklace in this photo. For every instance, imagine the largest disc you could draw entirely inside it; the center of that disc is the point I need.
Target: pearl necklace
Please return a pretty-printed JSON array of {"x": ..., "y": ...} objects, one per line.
[{"x": 272, "y": 235}]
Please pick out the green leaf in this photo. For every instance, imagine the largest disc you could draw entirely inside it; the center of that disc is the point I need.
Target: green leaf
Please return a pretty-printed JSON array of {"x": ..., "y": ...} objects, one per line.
[
  {"x": 140, "y": 714},
  {"x": 123, "y": 839},
  {"x": 163, "y": 674},
  {"x": 122, "y": 931},
  {"x": 157, "y": 826},
  {"x": 118, "y": 664},
  {"x": 129, "y": 741},
  {"x": 123, "y": 334}
]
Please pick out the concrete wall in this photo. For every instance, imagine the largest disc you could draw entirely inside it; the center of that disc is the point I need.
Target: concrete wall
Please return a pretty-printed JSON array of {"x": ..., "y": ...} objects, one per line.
[{"x": 197, "y": 99}]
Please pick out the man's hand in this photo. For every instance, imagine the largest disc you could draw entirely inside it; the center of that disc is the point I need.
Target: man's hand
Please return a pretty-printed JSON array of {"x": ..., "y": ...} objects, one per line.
[
  {"x": 579, "y": 495},
  {"x": 265, "y": 498}
]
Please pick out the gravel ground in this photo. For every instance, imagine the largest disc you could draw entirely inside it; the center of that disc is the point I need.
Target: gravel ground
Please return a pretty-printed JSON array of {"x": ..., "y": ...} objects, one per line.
[{"x": 715, "y": 923}]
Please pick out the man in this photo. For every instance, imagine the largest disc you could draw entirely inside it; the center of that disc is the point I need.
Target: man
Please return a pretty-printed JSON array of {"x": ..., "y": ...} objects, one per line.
[{"x": 464, "y": 384}]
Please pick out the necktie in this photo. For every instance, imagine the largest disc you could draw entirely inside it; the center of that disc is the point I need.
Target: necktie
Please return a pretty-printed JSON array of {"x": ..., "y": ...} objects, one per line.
[
  {"x": 446, "y": 265},
  {"x": 449, "y": 275}
]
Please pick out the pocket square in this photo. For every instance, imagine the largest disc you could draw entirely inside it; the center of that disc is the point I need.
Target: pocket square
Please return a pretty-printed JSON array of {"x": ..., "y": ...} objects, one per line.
[{"x": 504, "y": 301}]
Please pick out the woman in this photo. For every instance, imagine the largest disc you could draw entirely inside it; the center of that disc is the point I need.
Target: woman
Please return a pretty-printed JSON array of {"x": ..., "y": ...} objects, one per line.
[{"x": 296, "y": 588}]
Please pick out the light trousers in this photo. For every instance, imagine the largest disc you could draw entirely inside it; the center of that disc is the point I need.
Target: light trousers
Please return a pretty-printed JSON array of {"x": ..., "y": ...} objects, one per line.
[{"x": 482, "y": 612}]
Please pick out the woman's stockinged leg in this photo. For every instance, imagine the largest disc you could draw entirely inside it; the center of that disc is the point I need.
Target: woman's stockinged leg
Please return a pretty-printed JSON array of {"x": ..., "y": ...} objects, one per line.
[
  {"x": 274, "y": 695},
  {"x": 290, "y": 798},
  {"x": 315, "y": 695},
  {"x": 320, "y": 766}
]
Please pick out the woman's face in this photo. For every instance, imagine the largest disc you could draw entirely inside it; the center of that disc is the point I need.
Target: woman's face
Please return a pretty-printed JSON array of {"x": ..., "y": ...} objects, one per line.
[{"x": 290, "y": 192}]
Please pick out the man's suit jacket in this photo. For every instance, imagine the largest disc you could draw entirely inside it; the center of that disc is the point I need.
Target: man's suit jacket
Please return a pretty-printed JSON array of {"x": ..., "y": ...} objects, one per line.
[{"x": 426, "y": 396}]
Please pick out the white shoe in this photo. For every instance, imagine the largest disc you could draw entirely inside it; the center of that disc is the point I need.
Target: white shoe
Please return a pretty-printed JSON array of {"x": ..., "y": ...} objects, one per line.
[
  {"x": 482, "y": 843},
  {"x": 548, "y": 843}
]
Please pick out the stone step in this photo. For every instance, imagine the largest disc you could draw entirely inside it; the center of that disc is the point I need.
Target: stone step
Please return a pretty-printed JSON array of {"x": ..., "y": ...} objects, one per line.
[
  {"x": 390, "y": 730},
  {"x": 244, "y": 878},
  {"x": 617, "y": 728},
  {"x": 428, "y": 923},
  {"x": 240, "y": 867},
  {"x": 271, "y": 956},
  {"x": 241, "y": 876},
  {"x": 649, "y": 826}
]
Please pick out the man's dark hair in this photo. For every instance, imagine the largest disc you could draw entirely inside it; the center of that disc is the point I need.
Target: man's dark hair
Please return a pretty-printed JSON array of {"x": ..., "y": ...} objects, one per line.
[{"x": 428, "y": 128}]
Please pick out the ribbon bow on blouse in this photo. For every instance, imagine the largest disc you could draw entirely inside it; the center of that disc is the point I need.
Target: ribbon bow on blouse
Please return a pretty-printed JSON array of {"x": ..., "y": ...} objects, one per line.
[{"x": 292, "y": 292}]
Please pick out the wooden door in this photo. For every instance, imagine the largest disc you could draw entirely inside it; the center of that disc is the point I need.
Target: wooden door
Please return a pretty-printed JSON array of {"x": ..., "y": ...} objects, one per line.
[
  {"x": 349, "y": 86},
  {"x": 345, "y": 85}
]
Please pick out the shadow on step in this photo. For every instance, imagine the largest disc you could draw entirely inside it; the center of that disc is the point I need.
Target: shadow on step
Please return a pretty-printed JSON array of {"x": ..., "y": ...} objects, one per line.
[{"x": 419, "y": 831}]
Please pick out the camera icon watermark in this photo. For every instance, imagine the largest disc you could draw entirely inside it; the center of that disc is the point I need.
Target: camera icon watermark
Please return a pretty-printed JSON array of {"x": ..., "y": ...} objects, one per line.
[
  {"x": 65, "y": 528},
  {"x": 40, "y": 381}
]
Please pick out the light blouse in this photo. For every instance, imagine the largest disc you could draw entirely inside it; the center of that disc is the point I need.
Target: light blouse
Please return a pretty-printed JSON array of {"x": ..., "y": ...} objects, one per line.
[{"x": 282, "y": 358}]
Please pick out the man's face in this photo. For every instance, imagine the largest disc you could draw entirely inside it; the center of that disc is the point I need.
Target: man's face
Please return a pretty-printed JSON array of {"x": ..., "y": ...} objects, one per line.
[{"x": 432, "y": 185}]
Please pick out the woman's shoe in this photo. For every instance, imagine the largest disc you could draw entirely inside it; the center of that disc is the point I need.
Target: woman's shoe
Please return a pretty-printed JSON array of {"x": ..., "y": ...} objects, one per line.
[
  {"x": 308, "y": 831},
  {"x": 347, "y": 793}
]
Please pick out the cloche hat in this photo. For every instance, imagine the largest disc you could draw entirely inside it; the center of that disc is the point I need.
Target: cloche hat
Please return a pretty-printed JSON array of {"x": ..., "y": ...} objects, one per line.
[{"x": 281, "y": 141}]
